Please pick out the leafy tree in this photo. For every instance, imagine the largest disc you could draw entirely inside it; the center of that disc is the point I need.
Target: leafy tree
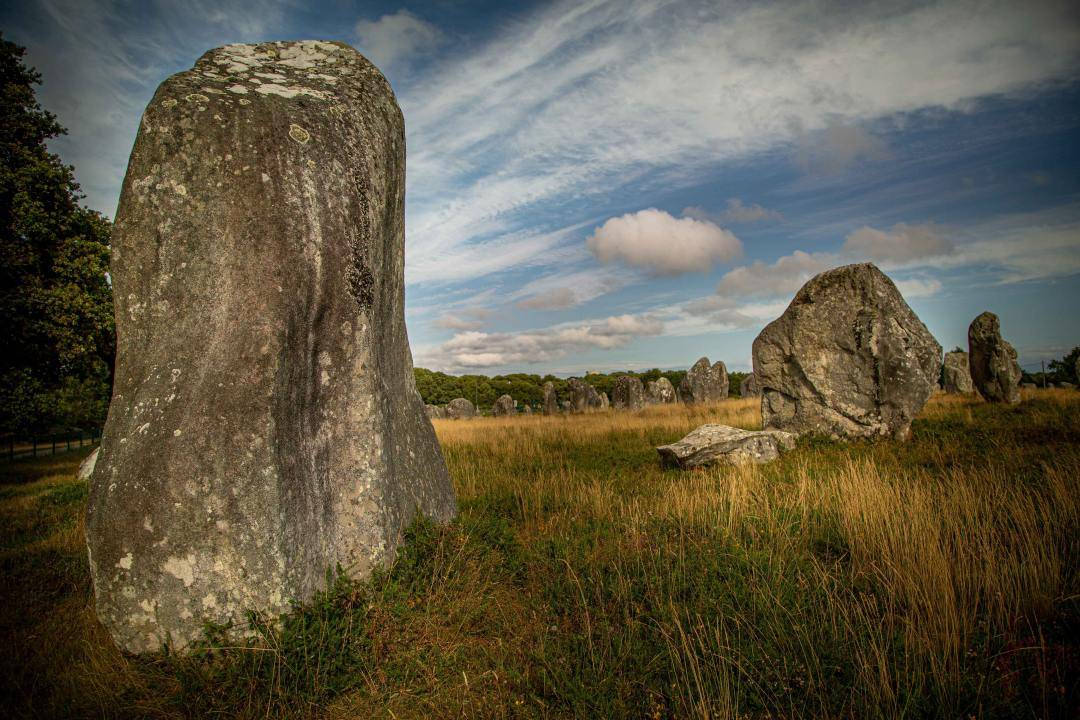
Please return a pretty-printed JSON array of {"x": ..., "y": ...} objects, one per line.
[
  {"x": 1064, "y": 370},
  {"x": 55, "y": 296}
]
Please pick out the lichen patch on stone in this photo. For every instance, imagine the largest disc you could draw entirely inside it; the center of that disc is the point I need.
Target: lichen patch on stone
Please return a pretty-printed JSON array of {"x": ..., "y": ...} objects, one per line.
[{"x": 299, "y": 134}]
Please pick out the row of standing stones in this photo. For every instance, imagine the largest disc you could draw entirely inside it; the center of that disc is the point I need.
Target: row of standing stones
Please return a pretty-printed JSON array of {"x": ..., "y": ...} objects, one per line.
[{"x": 265, "y": 426}]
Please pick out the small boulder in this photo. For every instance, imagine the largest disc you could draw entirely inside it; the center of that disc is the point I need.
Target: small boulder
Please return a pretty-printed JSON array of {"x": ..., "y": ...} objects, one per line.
[
  {"x": 628, "y": 393},
  {"x": 660, "y": 392},
  {"x": 704, "y": 383},
  {"x": 86, "y": 467},
  {"x": 749, "y": 387},
  {"x": 994, "y": 369},
  {"x": 583, "y": 396},
  {"x": 505, "y": 405},
  {"x": 526, "y": 409},
  {"x": 956, "y": 373},
  {"x": 713, "y": 444},
  {"x": 459, "y": 408},
  {"x": 551, "y": 401},
  {"x": 847, "y": 358}
]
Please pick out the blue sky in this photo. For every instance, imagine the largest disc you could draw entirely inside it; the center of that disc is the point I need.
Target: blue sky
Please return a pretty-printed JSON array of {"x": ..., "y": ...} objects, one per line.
[{"x": 626, "y": 184}]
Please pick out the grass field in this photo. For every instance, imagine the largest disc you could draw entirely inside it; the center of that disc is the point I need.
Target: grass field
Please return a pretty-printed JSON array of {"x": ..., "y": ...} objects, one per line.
[{"x": 932, "y": 578}]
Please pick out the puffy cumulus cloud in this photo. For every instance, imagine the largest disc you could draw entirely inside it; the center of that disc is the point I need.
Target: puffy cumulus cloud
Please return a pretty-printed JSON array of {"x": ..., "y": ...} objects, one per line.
[
  {"x": 783, "y": 277},
  {"x": 902, "y": 244},
  {"x": 661, "y": 244},
  {"x": 735, "y": 212},
  {"x": 473, "y": 349},
  {"x": 918, "y": 287},
  {"x": 395, "y": 38},
  {"x": 558, "y": 298}
]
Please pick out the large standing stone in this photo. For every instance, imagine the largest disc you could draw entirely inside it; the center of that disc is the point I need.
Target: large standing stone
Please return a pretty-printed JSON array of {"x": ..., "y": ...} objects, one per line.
[
  {"x": 704, "y": 383},
  {"x": 723, "y": 444},
  {"x": 583, "y": 396},
  {"x": 848, "y": 357},
  {"x": 505, "y": 405},
  {"x": 994, "y": 369},
  {"x": 749, "y": 386},
  {"x": 956, "y": 374},
  {"x": 459, "y": 408},
  {"x": 660, "y": 391},
  {"x": 551, "y": 401},
  {"x": 265, "y": 425},
  {"x": 628, "y": 393}
]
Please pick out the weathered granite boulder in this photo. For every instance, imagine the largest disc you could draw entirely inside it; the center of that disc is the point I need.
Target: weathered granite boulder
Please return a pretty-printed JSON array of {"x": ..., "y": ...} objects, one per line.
[
  {"x": 749, "y": 387},
  {"x": 86, "y": 467},
  {"x": 434, "y": 411},
  {"x": 628, "y": 393},
  {"x": 994, "y": 369},
  {"x": 265, "y": 425},
  {"x": 459, "y": 408},
  {"x": 505, "y": 405},
  {"x": 704, "y": 383},
  {"x": 551, "y": 401},
  {"x": 956, "y": 374},
  {"x": 712, "y": 444},
  {"x": 583, "y": 396},
  {"x": 660, "y": 392},
  {"x": 848, "y": 358}
]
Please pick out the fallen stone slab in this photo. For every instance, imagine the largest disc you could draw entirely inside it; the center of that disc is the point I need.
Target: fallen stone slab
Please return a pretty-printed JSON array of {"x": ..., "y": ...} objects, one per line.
[{"x": 723, "y": 444}]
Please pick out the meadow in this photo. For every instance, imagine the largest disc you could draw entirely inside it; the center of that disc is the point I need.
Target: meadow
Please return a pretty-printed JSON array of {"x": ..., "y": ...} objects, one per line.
[{"x": 936, "y": 577}]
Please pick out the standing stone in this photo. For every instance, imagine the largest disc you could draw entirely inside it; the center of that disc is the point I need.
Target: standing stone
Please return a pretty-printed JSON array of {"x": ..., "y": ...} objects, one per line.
[
  {"x": 704, "y": 383},
  {"x": 86, "y": 467},
  {"x": 956, "y": 374},
  {"x": 628, "y": 393},
  {"x": 265, "y": 426},
  {"x": 505, "y": 405},
  {"x": 1029, "y": 386},
  {"x": 660, "y": 392},
  {"x": 551, "y": 401},
  {"x": 749, "y": 386},
  {"x": 583, "y": 396},
  {"x": 434, "y": 411},
  {"x": 527, "y": 409},
  {"x": 848, "y": 358},
  {"x": 459, "y": 408},
  {"x": 994, "y": 369},
  {"x": 605, "y": 403}
]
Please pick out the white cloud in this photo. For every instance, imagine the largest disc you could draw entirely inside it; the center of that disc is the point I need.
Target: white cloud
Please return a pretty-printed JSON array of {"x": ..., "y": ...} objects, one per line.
[
  {"x": 918, "y": 287},
  {"x": 737, "y": 212},
  {"x": 480, "y": 350},
  {"x": 466, "y": 319},
  {"x": 783, "y": 277},
  {"x": 395, "y": 38},
  {"x": 557, "y": 298},
  {"x": 664, "y": 245},
  {"x": 837, "y": 147},
  {"x": 902, "y": 244}
]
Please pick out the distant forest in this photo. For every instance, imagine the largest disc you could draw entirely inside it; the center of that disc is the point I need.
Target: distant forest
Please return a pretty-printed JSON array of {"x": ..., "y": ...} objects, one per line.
[{"x": 438, "y": 388}]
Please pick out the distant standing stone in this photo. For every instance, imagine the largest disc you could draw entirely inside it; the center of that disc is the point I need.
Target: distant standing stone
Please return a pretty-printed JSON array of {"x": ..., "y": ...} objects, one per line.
[
  {"x": 848, "y": 358},
  {"x": 660, "y": 391},
  {"x": 994, "y": 369},
  {"x": 749, "y": 387},
  {"x": 956, "y": 373},
  {"x": 505, "y": 405},
  {"x": 628, "y": 393},
  {"x": 460, "y": 408},
  {"x": 265, "y": 426},
  {"x": 1028, "y": 386},
  {"x": 434, "y": 411},
  {"x": 86, "y": 467},
  {"x": 713, "y": 444},
  {"x": 605, "y": 403},
  {"x": 704, "y": 383},
  {"x": 583, "y": 396},
  {"x": 551, "y": 401},
  {"x": 526, "y": 409},
  {"x": 1066, "y": 386}
]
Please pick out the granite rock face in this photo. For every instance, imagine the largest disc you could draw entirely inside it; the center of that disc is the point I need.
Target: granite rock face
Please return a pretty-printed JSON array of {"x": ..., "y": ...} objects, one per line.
[
  {"x": 749, "y": 387},
  {"x": 628, "y": 393},
  {"x": 956, "y": 373},
  {"x": 704, "y": 383},
  {"x": 583, "y": 396},
  {"x": 660, "y": 392},
  {"x": 505, "y": 405},
  {"x": 994, "y": 369},
  {"x": 459, "y": 408},
  {"x": 723, "y": 444},
  {"x": 847, "y": 358},
  {"x": 551, "y": 401},
  {"x": 265, "y": 424}
]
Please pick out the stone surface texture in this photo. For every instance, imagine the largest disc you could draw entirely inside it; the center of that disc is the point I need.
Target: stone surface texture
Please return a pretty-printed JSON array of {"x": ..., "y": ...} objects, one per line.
[
  {"x": 459, "y": 408},
  {"x": 660, "y": 392},
  {"x": 847, "y": 358},
  {"x": 723, "y": 444},
  {"x": 704, "y": 383},
  {"x": 505, "y": 405},
  {"x": 583, "y": 396},
  {"x": 265, "y": 424},
  {"x": 551, "y": 401},
  {"x": 628, "y": 393},
  {"x": 956, "y": 373},
  {"x": 994, "y": 369}
]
